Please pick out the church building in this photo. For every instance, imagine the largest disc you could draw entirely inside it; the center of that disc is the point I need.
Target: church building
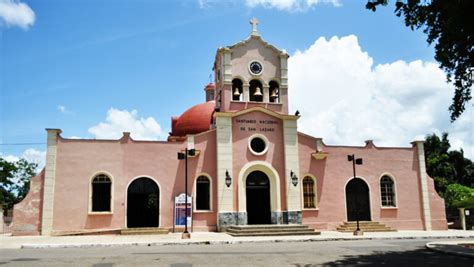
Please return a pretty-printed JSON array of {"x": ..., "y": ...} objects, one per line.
[{"x": 246, "y": 164}]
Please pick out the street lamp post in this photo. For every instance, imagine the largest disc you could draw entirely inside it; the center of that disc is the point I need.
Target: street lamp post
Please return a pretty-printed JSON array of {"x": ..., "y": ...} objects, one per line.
[
  {"x": 354, "y": 162},
  {"x": 181, "y": 156}
]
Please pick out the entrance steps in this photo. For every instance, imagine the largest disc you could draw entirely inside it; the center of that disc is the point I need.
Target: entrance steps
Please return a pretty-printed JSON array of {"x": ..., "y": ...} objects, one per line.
[
  {"x": 365, "y": 226},
  {"x": 270, "y": 230},
  {"x": 144, "y": 231}
]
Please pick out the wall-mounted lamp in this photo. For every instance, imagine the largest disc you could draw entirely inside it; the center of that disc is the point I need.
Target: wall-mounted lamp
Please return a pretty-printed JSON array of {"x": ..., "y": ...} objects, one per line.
[
  {"x": 228, "y": 179},
  {"x": 294, "y": 178}
]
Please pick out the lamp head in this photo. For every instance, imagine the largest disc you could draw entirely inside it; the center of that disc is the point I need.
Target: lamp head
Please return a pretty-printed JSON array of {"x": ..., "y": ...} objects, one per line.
[
  {"x": 228, "y": 179},
  {"x": 294, "y": 178}
]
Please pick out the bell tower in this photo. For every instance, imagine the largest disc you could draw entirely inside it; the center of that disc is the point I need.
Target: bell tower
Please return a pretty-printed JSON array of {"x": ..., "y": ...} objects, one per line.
[{"x": 251, "y": 73}]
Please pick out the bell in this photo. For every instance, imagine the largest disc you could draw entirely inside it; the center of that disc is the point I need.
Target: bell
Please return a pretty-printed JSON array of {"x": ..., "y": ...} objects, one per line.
[
  {"x": 274, "y": 94},
  {"x": 258, "y": 92},
  {"x": 236, "y": 92}
]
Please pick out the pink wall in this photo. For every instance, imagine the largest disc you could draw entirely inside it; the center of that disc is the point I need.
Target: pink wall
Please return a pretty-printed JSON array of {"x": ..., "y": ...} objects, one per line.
[
  {"x": 241, "y": 154},
  {"x": 27, "y": 214},
  {"x": 124, "y": 159},
  {"x": 206, "y": 163},
  {"x": 333, "y": 173},
  {"x": 438, "y": 212}
]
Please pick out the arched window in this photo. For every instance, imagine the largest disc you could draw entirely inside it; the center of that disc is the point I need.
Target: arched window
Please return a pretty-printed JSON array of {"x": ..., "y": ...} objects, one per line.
[
  {"x": 203, "y": 193},
  {"x": 256, "y": 91},
  {"x": 387, "y": 192},
  {"x": 309, "y": 193},
  {"x": 101, "y": 193},
  {"x": 274, "y": 91},
  {"x": 237, "y": 90}
]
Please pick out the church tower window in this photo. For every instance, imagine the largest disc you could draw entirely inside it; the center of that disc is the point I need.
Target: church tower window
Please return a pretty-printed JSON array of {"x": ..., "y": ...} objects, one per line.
[
  {"x": 237, "y": 92},
  {"x": 101, "y": 193},
  {"x": 274, "y": 91},
  {"x": 256, "y": 91},
  {"x": 203, "y": 193},
  {"x": 387, "y": 192}
]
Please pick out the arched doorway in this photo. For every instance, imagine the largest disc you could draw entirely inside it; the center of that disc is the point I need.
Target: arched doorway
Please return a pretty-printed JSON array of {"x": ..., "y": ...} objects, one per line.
[
  {"x": 357, "y": 200},
  {"x": 143, "y": 196},
  {"x": 258, "y": 198}
]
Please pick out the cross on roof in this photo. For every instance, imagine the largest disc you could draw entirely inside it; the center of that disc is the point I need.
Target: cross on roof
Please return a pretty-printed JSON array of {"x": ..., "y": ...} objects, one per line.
[{"x": 254, "y": 23}]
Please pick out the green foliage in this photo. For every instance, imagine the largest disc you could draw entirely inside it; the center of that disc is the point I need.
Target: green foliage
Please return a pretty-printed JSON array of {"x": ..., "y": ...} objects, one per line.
[
  {"x": 459, "y": 196},
  {"x": 448, "y": 25},
  {"x": 445, "y": 166},
  {"x": 15, "y": 181}
]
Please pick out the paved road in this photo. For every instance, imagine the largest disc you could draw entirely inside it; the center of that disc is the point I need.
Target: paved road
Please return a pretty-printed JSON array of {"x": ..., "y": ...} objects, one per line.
[{"x": 329, "y": 253}]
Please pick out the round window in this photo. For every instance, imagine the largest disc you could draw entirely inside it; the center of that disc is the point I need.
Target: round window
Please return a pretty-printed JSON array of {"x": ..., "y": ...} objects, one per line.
[{"x": 258, "y": 145}]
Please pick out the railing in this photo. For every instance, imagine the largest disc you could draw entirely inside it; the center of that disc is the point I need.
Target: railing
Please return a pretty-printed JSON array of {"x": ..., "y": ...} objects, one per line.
[{"x": 5, "y": 225}]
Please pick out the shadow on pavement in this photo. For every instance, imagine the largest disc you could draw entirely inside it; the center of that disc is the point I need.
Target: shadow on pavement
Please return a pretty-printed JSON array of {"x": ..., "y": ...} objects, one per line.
[{"x": 419, "y": 257}]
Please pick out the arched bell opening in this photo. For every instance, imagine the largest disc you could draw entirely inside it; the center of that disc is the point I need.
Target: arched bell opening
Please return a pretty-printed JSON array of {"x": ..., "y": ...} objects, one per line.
[
  {"x": 256, "y": 91},
  {"x": 237, "y": 91},
  {"x": 274, "y": 91}
]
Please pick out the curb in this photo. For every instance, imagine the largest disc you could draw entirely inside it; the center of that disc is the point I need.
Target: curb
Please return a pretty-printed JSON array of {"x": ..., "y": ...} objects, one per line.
[
  {"x": 230, "y": 242},
  {"x": 451, "y": 249}
]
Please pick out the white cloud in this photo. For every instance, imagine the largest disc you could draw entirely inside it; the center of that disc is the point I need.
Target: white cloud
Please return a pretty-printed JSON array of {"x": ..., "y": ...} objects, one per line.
[
  {"x": 119, "y": 121},
  {"x": 16, "y": 13},
  {"x": 345, "y": 99},
  {"x": 290, "y": 5},
  {"x": 62, "y": 109},
  {"x": 31, "y": 155},
  {"x": 203, "y": 3}
]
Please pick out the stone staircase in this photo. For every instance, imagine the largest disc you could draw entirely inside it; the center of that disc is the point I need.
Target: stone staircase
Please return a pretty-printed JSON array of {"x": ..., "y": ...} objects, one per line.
[
  {"x": 365, "y": 226},
  {"x": 144, "y": 231},
  {"x": 270, "y": 230}
]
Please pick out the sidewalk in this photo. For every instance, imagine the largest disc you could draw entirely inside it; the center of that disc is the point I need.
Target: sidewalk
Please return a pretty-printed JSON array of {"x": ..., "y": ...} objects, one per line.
[
  {"x": 16, "y": 242},
  {"x": 453, "y": 247}
]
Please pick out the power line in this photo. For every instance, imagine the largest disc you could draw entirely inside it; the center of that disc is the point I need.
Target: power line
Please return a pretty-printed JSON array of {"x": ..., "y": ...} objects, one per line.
[{"x": 21, "y": 144}]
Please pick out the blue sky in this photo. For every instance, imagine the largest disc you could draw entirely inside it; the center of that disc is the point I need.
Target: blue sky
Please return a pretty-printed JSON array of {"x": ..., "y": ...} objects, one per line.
[{"x": 92, "y": 66}]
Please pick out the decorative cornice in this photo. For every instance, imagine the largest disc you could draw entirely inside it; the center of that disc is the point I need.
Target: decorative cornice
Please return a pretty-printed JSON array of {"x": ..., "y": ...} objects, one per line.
[
  {"x": 257, "y": 109},
  {"x": 258, "y": 38}
]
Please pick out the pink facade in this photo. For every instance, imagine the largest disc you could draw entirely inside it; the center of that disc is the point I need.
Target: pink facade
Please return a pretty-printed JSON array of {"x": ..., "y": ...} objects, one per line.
[
  {"x": 333, "y": 173},
  {"x": 250, "y": 151}
]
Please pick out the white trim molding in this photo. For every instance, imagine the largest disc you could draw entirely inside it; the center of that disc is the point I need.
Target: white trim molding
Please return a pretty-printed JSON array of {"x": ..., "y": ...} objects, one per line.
[
  {"x": 112, "y": 198},
  {"x": 265, "y": 140},
  {"x": 272, "y": 174},
  {"x": 195, "y": 193},
  {"x": 315, "y": 188},
  {"x": 395, "y": 194}
]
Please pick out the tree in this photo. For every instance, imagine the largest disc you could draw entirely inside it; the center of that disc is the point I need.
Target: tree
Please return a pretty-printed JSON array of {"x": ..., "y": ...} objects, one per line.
[
  {"x": 447, "y": 167},
  {"x": 15, "y": 181},
  {"x": 459, "y": 196},
  {"x": 449, "y": 25}
]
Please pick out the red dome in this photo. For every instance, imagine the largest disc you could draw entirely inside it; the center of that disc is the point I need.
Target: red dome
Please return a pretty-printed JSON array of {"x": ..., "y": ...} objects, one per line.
[
  {"x": 195, "y": 120},
  {"x": 210, "y": 86}
]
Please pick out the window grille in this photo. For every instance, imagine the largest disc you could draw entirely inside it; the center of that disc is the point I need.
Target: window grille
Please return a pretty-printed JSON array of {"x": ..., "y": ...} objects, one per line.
[
  {"x": 101, "y": 193},
  {"x": 308, "y": 193},
  {"x": 387, "y": 192}
]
